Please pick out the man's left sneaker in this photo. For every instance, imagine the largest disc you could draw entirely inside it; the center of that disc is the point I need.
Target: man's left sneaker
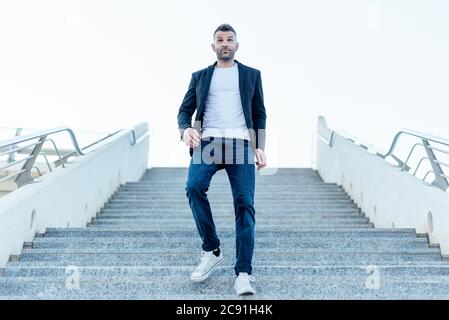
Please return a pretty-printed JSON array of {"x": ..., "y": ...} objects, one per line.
[{"x": 242, "y": 284}]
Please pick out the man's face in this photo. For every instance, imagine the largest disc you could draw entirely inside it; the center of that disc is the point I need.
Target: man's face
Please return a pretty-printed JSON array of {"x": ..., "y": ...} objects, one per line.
[{"x": 225, "y": 45}]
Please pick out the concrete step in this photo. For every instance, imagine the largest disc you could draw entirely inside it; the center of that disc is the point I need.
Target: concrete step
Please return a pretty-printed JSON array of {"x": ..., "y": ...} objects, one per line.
[
  {"x": 120, "y": 214},
  {"x": 170, "y": 172},
  {"x": 279, "y": 244},
  {"x": 223, "y": 223},
  {"x": 221, "y": 174},
  {"x": 266, "y": 286},
  {"x": 181, "y": 196},
  {"x": 227, "y": 215},
  {"x": 169, "y": 186},
  {"x": 212, "y": 192},
  {"x": 294, "y": 257},
  {"x": 260, "y": 202},
  {"x": 149, "y": 220},
  {"x": 106, "y": 272},
  {"x": 272, "y": 206},
  {"x": 263, "y": 190},
  {"x": 327, "y": 234},
  {"x": 194, "y": 250},
  {"x": 229, "y": 210},
  {"x": 230, "y": 261},
  {"x": 266, "y": 278},
  {"x": 224, "y": 226},
  {"x": 289, "y": 211},
  {"x": 225, "y": 180},
  {"x": 259, "y": 191},
  {"x": 225, "y": 297},
  {"x": 227, "y": 200},
  {"x": 146, "y": 217}
]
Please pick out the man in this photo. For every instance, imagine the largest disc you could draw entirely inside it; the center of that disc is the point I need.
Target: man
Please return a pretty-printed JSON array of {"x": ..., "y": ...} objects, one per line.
[{"x": 230, "y": 115}]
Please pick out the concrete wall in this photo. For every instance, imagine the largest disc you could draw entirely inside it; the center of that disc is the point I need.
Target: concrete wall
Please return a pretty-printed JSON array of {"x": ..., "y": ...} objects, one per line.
[
  {"x": 71, "y": 196},
  {"x": 388, "y": 196}
]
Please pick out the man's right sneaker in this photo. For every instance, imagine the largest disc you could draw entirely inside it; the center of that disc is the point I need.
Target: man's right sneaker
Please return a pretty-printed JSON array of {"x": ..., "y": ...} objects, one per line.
[{"x": 208, "y": 263}]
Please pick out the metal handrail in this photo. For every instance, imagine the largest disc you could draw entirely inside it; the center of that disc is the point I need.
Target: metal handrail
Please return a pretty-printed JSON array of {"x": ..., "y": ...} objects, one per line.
[
  {"x": 57, "y": 151},
  {"x": 15, "y": 162},
  {"x": 138, "y": 140},
  {"x": 409, "y": 155},
  {"x": 415, "y": 134},
  {"x": 16, "y": 149},
  {"x": 41, "y": 134},
  {"x": 441, "y": 180},
  {"x": 419, "y": 164},
  {"x": 23, "y": 175},
  {"x": 425, "y": 176},
  {"x": 38, "y": 171},
  {"x": 46, "y": 160},
  {"x": 68, "y": 155}
]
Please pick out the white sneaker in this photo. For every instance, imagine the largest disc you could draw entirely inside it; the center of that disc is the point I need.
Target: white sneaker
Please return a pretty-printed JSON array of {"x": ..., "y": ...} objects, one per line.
[
  {"x": 208, "y": 263},
  {"x": 242, "y": 284}
]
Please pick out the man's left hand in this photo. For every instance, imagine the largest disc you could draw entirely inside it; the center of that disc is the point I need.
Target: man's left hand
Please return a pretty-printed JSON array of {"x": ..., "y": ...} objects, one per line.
[{"x": 261, "y": 159}]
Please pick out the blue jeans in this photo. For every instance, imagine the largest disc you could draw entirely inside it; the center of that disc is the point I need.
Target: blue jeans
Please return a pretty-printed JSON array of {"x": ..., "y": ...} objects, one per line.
[{"x": 227, "y": 154}]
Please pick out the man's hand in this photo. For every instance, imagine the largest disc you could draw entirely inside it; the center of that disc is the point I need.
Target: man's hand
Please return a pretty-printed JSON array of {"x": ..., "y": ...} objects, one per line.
[
  {"x": 261, "y": 159},
  {"x": 191, "y": 137}
]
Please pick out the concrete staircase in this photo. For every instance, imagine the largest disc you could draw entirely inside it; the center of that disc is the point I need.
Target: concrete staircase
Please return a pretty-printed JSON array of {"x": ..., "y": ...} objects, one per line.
[{"x": 312, "y": 242}]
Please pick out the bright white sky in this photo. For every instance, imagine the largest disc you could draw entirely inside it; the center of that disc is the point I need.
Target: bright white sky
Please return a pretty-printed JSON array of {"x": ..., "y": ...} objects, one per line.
[{"x": 370, "y": 67}]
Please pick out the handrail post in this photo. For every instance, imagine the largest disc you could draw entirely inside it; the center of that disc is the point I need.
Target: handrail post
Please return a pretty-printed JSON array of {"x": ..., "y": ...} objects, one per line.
[
  {"x": 401, "y": 164},
  {"x": 12, "y": 156},
  {"x": 439, "y": 181},
  {"x": 409, "y": 155},
  {"x": 25, "y": 176},
  {"x": 57, "y": 151}
]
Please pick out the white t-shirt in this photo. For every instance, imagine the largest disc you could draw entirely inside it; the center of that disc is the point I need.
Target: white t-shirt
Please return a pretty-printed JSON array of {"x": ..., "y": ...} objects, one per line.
[{"x": 223, "y": 114}]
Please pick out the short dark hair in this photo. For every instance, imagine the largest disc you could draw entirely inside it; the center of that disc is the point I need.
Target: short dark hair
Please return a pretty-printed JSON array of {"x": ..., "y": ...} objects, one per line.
[{"x": 225, "y": 27}]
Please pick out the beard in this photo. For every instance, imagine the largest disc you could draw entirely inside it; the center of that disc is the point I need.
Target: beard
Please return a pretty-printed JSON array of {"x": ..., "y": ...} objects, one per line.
[{"x": 226, "y": 57}]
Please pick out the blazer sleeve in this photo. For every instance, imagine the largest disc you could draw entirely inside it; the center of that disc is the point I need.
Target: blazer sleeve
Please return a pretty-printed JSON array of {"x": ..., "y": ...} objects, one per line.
[
  {"x": 258, "y": 113},
  {"x": 187, "y": 107}
]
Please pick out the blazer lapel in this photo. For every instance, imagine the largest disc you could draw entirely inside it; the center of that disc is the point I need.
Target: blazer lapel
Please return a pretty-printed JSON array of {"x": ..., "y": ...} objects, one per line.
[
  {"x": 210, "y": 71},
  {"x": 205, "y": 89},
  {"x": 242, "y": 75}
]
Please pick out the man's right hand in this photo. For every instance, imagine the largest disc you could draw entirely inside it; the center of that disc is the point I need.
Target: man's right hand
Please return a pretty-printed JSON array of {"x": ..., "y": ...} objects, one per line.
[{"x": 191, "y": 137}]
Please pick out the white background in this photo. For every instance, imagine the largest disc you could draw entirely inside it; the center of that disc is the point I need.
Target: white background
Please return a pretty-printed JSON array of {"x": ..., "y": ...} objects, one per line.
[{"x": 370, "y": 67}]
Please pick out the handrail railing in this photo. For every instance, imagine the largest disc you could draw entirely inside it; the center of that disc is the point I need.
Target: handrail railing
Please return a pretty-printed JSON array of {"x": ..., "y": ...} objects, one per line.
[
  {"x": 23, "y": 175},
  {"x": 68, "y": 155},
  {"x": 441, "y": 180},
  {"x": 40, "y": 134},
  {"x": 417, "y": 134}
]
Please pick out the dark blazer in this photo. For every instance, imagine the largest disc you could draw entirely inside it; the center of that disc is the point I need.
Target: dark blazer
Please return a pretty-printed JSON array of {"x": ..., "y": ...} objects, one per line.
[{"x": 251, "y": 93}]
